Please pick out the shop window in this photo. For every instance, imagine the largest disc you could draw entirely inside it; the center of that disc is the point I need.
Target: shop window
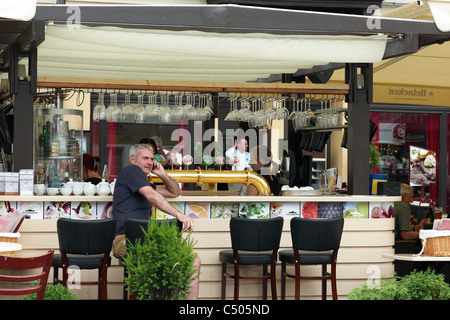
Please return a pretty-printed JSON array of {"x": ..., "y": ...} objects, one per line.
[{"x": 409, "y": 150}]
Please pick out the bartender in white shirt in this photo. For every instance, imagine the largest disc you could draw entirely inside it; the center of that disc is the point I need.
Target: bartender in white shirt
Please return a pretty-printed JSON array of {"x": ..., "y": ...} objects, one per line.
[{"x": 239, "y": 158}]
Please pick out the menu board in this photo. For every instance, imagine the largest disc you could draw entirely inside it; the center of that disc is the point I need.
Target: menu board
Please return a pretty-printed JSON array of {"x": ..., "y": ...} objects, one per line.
[
  {"x": 422, "y": 167},
  {"x": 392, "y": 133}
]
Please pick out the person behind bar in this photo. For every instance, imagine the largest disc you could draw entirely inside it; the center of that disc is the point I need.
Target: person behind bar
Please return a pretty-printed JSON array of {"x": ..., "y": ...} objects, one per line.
[
  {"x": 90, "y": 169},
  {"x": 238, "y": 156},
  {"x": 404, "y": 230},
  {"x": 261, "y": 162}
]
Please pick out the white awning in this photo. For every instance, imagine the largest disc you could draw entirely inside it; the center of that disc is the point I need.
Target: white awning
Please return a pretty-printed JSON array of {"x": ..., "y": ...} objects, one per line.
[
  {"x": 118, "y": 53},
  {"x": 18, "y": 9},
  {"x": 441, "y": 14}
]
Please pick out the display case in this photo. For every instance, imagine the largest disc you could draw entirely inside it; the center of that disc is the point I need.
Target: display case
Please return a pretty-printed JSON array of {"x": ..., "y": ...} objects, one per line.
[
  {"x": 57, "y": 147},
  {"x": 318, "y": 166}
]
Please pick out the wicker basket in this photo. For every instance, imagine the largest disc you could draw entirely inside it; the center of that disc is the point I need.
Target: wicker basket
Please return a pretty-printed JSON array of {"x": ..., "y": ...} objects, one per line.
[
  {"x": 9, "y": 249},
  {"x": 437, "y": 247},
  {"x": 9, "y": 237}
]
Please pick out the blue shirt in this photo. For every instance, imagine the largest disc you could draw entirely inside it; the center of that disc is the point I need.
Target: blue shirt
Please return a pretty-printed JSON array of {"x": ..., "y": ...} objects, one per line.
[{"x": 127, "y": 201}]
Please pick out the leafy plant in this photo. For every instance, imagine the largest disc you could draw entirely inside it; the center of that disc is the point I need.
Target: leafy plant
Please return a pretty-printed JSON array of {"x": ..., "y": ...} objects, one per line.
[
  {"x": 54, "y": 292},
  {"x": 374, "y": 155},
  {"x": 419, "y": 285},
  {"x": 161, "y": 267}
]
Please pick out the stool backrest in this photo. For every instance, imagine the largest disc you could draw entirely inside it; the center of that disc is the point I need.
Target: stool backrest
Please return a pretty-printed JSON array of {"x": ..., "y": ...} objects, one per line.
[
  {"x": 256, "y": 234},
  {"x": 85, "y": 236},
  {"x": 39, "y": 265},
  {"x": 134, "y": 228},
  {"x": 316, "y": 234}
]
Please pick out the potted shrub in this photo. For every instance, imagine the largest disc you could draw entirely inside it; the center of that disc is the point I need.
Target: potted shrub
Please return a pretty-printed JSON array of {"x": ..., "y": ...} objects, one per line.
[
  {"x": 54, "y": 292},
  {"x": 423, "y": 285},
  {"x": 161, "y": 267},
  {"x": 374, "y": 156}
]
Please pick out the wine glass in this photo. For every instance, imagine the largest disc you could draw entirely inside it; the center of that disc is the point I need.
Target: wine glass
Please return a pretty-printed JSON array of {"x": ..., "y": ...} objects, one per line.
[
  {"x": 189, "y": 106},
  {"x": 282, "y": 112},
  {"x": 139, "y": 113},
  {"x": 178, "y": 110},
  {"x": 100, "y": 109},
  {"x": 113, "y": 112},
  {"x": 165, "y": 113},
  {"x": 152, "y": 108},
  {"x": 127, "y": 110}
]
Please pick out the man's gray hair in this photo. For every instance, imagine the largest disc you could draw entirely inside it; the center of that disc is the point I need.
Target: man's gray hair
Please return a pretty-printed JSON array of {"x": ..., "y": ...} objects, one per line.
[
  {"x": 405, "y": 189},
  {"x": 134, "y": 150}
]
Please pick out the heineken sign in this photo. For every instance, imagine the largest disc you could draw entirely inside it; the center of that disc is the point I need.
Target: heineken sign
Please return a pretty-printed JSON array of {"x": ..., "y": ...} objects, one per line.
[
  {"x": 415, "y": 95},
  {"x": 408, "y": 92}
]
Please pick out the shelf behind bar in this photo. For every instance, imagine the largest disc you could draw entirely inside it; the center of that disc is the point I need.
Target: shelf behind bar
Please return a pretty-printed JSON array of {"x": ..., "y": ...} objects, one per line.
[{"x": 203, "y": 87}]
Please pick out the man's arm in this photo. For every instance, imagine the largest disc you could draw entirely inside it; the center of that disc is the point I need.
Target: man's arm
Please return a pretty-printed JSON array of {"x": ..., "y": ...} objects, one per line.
[
  {"x": 170, "y": 189},
  {"x": 157, "y": 200}
]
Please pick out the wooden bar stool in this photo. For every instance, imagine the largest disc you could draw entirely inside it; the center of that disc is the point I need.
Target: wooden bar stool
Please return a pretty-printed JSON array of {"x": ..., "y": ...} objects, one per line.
[
  {"x": 253, "y": 242},
  {"x": 314, "y": 242},
  {"x": 86, "y": 244}
]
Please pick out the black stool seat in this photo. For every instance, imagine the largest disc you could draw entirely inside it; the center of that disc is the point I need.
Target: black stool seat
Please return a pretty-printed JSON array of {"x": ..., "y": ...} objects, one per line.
[
  {"x": 86, "y": 244},
  {"x": 246, "y": 257},
  {"x": 80, "y": 260},
  {"x": 253, "y": 242},
  {"x": 308, "y": 258},
  {"x": 314, "y": 242}
]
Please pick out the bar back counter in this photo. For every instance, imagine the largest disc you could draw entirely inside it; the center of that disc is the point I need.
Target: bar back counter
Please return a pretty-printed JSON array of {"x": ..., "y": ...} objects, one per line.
[{"x": 368, "y": 235}]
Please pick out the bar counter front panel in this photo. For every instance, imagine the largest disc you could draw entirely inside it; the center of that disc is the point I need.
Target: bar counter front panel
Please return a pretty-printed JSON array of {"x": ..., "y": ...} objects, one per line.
[{"x": 368, "y": 234}]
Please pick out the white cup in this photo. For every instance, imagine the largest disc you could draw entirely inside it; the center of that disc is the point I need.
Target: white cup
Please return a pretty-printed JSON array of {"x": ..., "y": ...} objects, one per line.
[
  {"x": 39, "y": 189},
  {"x": 66, "y": 190},
  {"x": 52, "y": 191},
  {"x": 89, "y": 189},
  {"x": 77, "y": 190}
]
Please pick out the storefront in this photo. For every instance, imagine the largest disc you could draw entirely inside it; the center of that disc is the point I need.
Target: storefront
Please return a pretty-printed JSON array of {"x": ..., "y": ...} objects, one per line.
[
  {"x": 68, "y": 52},
  {"x": 412, "y": 123}
]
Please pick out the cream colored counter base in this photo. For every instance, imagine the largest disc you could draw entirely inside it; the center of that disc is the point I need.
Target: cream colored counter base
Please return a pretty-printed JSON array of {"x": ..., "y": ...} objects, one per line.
[
  {"x": 364, "y": 242},
  {"x": 218, "y": 198}
]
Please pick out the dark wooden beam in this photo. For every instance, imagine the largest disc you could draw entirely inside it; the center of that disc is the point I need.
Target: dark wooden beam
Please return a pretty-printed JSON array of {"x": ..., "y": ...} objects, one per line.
[
  {"x": 244, "y": 19},
  {"x": 359, "y": 76}
]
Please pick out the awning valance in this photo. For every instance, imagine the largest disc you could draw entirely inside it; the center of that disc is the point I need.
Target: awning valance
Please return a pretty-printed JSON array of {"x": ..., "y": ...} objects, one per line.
[
  {"x": 124, "y": 53},
  {"x": 23, "y": 10}
]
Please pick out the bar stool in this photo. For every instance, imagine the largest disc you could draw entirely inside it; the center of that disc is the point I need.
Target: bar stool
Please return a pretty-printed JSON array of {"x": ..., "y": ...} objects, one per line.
[
  {"x": 253, "y": 242},
  {"x": 86, "y": 244},
  {"x": 314, "y": 242}
]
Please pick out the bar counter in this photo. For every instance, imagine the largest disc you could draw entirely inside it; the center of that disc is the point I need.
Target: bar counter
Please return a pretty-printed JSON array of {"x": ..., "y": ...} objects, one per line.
[{"x": 364, "y": 242}]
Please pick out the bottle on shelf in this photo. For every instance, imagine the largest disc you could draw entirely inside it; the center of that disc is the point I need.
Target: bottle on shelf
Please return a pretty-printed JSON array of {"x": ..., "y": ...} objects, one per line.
[
  {"x": 62, "y": 137},
  {"x": 44, "y": 140},
  {"x": 105, "y": 174}
]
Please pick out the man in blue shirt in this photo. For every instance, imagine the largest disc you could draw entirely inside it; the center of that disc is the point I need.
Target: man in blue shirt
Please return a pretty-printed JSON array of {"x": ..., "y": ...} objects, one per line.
[{"x": 134, "y": 196}]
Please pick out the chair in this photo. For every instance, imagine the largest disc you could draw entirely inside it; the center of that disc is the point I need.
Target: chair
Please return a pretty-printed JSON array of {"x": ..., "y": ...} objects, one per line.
[
  {"x": 134, "y": 230},
  {"x": 86, "y": 244},
  {"x": 253, "y": 242},
  {"x": 15, "y": 263},
  {"x": 314, "y": 241}
]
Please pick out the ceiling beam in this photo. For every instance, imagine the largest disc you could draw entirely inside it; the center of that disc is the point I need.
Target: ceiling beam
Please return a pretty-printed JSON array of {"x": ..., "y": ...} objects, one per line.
[{"x": 234, "y": 18}]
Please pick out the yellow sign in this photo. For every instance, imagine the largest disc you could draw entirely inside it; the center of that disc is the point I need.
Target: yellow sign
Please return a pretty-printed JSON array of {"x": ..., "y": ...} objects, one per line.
[{"x": 398, "y": 94}]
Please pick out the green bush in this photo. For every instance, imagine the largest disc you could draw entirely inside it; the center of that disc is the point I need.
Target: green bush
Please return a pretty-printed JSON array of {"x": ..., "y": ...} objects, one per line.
[
  {"x": 423, "y": 285},
  {"x": 161, "y": 267},
  {"x": 54, "y": 292}
]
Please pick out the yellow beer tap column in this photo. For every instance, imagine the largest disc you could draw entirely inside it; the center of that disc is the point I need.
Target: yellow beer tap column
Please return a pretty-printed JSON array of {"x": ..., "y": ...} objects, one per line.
[{"x": 200, "y": 176}]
